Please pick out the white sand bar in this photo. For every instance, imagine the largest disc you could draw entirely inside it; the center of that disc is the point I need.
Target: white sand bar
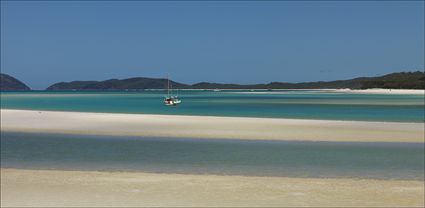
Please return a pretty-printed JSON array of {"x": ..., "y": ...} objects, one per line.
[
  {"x": 383, "y": 91},
  {"x": 44, "y": 188},
  {"x": 346, "y": 90},
  {"x": 208, "y": 127}
]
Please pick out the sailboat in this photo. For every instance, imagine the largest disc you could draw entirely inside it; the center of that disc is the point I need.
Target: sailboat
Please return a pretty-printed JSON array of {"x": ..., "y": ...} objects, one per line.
[{"x": 171, "y": 100}]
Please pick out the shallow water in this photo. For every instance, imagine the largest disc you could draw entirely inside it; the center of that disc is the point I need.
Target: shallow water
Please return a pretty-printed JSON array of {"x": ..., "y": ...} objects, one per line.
[
  {"x": 200, "y": 156},
  {"x": 284, "y": 104}
]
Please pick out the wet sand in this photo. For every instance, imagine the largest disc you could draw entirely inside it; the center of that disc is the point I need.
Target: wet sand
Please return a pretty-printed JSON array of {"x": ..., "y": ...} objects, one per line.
[{"x": 45, "y": 188}]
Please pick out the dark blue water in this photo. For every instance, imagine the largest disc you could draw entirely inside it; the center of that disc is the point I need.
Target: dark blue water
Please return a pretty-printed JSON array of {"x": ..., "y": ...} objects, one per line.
[
  {"x": 284, "y": 104},
  {"x": 226, "y": 157}
]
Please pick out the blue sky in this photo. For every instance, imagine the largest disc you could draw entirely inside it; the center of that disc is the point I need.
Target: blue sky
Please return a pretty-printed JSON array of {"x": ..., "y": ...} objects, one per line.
[{"x": 229, "y": 42}]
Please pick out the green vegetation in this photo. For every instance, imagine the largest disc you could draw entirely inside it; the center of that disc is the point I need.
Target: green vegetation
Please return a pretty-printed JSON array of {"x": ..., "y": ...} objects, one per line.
[
  {"x": 9, "y": 83},
  {"x": 402, "y": 80},
  {"x": 137, "y": 83}
]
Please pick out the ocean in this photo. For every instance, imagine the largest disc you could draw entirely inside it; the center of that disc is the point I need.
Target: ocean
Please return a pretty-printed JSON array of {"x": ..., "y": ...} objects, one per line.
[
  {"x": 221, "y": 157},
  {"x": 277, "y": 104}
]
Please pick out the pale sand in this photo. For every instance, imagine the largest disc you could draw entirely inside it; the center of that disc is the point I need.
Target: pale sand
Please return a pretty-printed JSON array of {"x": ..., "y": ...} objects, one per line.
[
  {"x": 208, "y": 127},
  {"x": 383, "y": 91},
  {"x": 365, "y": 91},
  {"x": 44, "y": 188}
]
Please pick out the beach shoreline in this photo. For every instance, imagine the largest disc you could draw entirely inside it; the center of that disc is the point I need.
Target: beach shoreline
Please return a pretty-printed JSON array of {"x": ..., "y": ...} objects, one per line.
[
  {"x": 341, "y": 90},
  {"x": 46, "y": 188},
  {"x": 347, "y": 90},
  {"x": 382, "y": 91},
  {"x": 208, "y": 127}
]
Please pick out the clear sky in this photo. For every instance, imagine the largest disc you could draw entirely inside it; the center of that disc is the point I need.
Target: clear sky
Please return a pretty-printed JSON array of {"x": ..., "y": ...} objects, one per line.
[{"x": 229, "y": 42}]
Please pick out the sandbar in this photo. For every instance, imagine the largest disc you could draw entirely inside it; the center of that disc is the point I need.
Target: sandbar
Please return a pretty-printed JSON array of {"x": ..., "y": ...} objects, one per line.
[{"x": 177, "y": 126}]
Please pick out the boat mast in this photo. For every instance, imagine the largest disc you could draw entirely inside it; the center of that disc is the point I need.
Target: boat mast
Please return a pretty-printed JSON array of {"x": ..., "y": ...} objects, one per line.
[{"x": 168, "y": 86}]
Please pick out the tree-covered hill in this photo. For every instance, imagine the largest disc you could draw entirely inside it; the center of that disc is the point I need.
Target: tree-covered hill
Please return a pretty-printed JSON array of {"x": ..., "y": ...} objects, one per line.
[
  {"x": 9, "y": 83},
  {"x": 402, "y": 80},
  {"x": 137, "y": 83}
]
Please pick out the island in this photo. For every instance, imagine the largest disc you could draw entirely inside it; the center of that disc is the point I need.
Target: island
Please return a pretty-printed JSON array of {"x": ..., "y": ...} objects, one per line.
[
  {"x": 400, "y": 80},
  {"x": 9, "y": 83}
]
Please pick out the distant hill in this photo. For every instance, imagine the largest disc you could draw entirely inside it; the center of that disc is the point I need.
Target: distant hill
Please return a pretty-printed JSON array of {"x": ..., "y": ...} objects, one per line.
[
  {"x": 352, "y": 83},
  {"x": 77, "y": 85},
  {"x": 207, "y": 85},
  {"x": 136, "y": 83},
  {"x": 402, "y": 80},
  {"x": 9, "y": 83}
]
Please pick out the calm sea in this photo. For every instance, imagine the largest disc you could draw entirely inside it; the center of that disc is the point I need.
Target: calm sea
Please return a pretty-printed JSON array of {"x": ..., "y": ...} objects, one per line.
[
  {"x": 223, "y": 157},
  {"x": 281, "y": 104},
  {"x": 227, "y": 157}
]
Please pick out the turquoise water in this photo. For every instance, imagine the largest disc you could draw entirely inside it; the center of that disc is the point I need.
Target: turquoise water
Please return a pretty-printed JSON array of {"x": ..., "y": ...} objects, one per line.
[
  {"x": 224, "y": 157},
  {"x": 282, "y": 104}
]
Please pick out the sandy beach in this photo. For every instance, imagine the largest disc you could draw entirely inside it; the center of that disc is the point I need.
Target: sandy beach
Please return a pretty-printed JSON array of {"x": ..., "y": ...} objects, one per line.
[
  {"x": 208, "y": 127},
  {"x": 383, "y": 91},
  {"x": 351, "y": 91},
  {"x": 43, "y": 188},
  {"x": 53, "y": 188}
]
